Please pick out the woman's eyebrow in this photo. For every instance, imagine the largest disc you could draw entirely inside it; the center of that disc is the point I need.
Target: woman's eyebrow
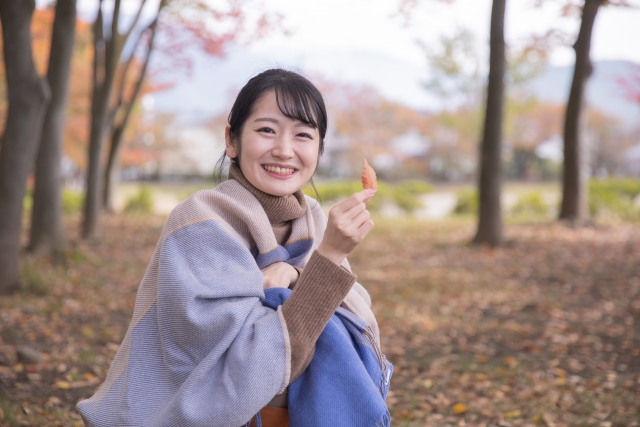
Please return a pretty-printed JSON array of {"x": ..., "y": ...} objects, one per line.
[
  {"x": 272, "y": 120},
  {"x": 266, "y": 119},
  {"x": 304, "y": 125}
]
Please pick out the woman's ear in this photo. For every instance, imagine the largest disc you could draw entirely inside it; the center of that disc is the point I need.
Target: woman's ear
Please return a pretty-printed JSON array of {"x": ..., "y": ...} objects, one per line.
[{"x": 232, "y": 151}]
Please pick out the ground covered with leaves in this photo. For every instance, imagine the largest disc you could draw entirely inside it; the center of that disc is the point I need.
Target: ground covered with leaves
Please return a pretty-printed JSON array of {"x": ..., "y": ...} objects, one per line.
[{"x": 544, "y": 330}]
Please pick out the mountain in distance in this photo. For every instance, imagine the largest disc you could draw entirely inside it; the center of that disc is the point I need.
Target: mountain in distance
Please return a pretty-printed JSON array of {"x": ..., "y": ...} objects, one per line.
[
  {"x": 214, "y": 82},
  {"x": 603, "y": 92}
]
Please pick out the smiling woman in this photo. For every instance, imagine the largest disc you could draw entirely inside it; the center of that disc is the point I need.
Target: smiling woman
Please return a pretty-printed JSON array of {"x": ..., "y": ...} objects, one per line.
[
  {"x": 249, "y": 313},
  {"x": 283, "y": 112},
  {"x": 279, "y": 153}
]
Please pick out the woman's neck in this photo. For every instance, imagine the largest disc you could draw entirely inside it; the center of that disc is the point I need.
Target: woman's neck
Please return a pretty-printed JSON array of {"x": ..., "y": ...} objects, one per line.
[{"x": 279, "y": 209}]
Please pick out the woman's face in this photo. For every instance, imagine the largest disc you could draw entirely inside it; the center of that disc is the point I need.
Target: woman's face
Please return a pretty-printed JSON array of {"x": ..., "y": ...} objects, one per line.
[{"x": 279, "y": 154}]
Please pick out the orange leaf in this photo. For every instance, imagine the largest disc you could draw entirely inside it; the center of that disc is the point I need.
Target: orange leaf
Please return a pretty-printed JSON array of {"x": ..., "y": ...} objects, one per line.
[
  {"x": 459, "y": 408},
  {"x": 369, "y": 180},
  {"x": 64, "y": 385},
  {"x": 510, "y": 361}
]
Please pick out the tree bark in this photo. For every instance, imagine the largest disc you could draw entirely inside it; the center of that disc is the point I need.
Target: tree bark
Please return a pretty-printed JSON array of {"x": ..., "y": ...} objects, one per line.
[
  {"x": 490, "y": 176},
  {"x": 110, "y": 176},
  {"x": 104, "y": 69},
  {"x": 574, "y": 177},
  {"x": 28, "y": 96},
  {"x": 107, "y": 57},
  {"x": 46, "y": 220}
]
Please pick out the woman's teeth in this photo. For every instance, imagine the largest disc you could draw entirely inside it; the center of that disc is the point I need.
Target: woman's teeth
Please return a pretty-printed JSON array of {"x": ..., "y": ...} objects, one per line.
[{"x": 278, "y": 170}]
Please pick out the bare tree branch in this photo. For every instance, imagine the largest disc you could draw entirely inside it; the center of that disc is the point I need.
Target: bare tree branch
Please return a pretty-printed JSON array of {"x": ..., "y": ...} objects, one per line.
[
  {"x": 98, "y": 54},
  {"x": 135, "y": 20}
]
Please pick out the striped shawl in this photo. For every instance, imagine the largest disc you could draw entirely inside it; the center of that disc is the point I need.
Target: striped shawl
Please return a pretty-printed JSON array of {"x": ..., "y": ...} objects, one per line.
[{"x": 201, "y": 349}]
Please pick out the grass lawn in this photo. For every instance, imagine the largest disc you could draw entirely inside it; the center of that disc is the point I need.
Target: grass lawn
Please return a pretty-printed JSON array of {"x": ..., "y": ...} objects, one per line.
[{"x": 544, "y": 330}]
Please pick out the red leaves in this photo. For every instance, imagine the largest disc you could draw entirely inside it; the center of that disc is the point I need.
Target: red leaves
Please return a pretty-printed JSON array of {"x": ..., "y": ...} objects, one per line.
[{"x": 631, "y": 86}]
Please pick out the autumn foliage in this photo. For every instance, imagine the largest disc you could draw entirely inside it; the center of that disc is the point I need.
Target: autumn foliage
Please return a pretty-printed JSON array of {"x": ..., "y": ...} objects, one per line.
[{"x": 630, "y": 86}]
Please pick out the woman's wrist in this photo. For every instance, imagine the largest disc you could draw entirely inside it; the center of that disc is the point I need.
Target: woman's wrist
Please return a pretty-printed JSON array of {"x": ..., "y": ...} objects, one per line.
[{"x": 332, "y": 255}]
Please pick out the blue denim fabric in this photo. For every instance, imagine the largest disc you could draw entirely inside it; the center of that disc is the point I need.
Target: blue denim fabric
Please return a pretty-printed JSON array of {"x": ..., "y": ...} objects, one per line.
[{"x": 344, "y": 386}]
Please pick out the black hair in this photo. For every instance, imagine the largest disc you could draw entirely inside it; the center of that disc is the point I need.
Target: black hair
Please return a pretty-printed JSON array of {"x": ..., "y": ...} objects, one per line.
[{"x": 296, "y": 96}]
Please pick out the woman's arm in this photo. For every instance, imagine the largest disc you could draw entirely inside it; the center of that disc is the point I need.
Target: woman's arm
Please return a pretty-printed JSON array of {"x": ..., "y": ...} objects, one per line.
[
  {"x": 324, "y": 284},
  {"x": 319, "y": 292},
  {"x": 227, "y": 353}
]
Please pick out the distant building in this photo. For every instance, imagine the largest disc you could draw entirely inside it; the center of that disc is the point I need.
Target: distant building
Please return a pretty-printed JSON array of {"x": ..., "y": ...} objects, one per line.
[
  {"x": 632, "y": 160},
  {"x": 191, "y": 150}
]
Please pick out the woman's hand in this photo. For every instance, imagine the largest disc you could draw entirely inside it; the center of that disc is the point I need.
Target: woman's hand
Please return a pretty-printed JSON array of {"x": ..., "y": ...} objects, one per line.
[
  {"x": 279, "y": 275},
  {"x": 348, "y": 224}
]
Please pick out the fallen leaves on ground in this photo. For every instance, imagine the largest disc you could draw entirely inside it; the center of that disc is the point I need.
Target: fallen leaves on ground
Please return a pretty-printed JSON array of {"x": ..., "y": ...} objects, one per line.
[{"x": 541, "y": 331}]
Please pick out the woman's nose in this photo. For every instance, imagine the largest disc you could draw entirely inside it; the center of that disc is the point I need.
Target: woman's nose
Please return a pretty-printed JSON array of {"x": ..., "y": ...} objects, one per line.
[{"x": 283, "y": 147}]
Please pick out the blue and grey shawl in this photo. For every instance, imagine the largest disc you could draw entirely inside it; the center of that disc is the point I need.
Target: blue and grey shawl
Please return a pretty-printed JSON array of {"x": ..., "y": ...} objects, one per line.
[
  {"x": 202, "y": 349},
  {"x": 345, "y": 385}
]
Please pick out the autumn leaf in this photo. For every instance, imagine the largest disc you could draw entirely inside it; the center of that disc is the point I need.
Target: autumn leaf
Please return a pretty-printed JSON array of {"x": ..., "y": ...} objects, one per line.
[
  {"x": 481, "y": 358},
  {"x": 513, "y": 414},
  {"x": 64, "y": 385},
  {"x": 369, "y": 180},
  {"x": 459, "y": 408},
  {"x": 510, "y": 361}
]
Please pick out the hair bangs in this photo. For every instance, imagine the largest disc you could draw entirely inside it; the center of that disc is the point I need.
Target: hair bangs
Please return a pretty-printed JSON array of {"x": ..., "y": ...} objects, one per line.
[{"x": 295, "y": 102}]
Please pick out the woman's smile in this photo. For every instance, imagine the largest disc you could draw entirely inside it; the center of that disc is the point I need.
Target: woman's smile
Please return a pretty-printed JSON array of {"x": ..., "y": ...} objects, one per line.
[{"x": 279, "y": 171}]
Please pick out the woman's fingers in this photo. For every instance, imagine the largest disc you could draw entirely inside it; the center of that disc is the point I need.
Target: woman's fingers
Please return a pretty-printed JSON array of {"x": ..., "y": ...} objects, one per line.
[
  {"x": 347, "y": 226},
  {"x": 355, "y": 199},
  {"x": 356, "y": 210},
  {"x": 360, "y": 218},
  {"x": 279, "y": 275},
  {"x": 366, "y": 227}
]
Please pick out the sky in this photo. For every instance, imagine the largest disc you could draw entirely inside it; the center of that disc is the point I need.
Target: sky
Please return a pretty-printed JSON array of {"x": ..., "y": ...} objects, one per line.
[
  {"x": 367, "y": 42},
  {"x": 370, "y": 25},
  {"x": 374, "y": 26}
]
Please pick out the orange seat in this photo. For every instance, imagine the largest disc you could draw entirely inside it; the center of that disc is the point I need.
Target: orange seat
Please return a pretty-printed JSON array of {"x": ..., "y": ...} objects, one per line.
[{"x": 273, "y": 417}]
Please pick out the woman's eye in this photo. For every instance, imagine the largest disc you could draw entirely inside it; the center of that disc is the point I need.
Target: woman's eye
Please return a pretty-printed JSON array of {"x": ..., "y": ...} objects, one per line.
[
  {"x": 305, "y": 135},
  {"x": 266, "y": 130}
]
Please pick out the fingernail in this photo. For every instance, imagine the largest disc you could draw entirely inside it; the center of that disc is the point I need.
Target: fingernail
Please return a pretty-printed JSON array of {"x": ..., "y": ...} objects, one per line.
[{"x": 372, "y": 191}]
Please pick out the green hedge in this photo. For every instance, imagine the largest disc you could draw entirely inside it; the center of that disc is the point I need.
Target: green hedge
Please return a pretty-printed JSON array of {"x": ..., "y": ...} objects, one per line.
[
  {"x": 72, "y": 201},
  {"x": 467, "y": 202},
  {"x": 530, "y": 205},
  {"x": 141, "y": 202},
  {"x": 404, "y": 194},
  {"x": 614, "y": 197}
]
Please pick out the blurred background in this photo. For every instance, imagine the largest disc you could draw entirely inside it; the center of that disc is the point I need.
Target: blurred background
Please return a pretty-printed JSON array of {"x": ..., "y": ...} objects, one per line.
[{"x": 486, "y": 122}]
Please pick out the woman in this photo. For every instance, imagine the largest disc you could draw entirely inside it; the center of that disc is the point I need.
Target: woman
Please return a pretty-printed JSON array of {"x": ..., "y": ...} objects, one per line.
[{"x": 202, "y": 349}]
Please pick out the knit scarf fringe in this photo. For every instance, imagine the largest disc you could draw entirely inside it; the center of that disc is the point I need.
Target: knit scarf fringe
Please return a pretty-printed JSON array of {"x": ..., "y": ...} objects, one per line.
[{"x": 385, "y": 421}]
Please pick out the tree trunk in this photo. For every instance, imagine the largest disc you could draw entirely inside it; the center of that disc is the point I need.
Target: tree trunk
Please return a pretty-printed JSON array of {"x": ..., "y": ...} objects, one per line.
[
  {"x": 92, "y": 206},
  {"x": 28, "y": 95},
  {"x": 111, "y": 176},
  {"x": 574, "y": 177},
  {"x": 104, "y": 67},
  {"x": 46, "y": 219},
  {"x": 490, "y": 212},
  {"x": 110, "y": 172},
  {"x": 107, "y": 57}
]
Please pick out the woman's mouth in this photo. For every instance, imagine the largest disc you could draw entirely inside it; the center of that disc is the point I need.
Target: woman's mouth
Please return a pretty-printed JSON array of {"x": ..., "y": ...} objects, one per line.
[{"x": 282, "y": 171}]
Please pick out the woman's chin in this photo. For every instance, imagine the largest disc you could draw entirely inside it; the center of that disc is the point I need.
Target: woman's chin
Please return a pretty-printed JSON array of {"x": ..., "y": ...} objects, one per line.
[
  {"x": 279, "y": 192},
  {"x": 280, "y": 189}
]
